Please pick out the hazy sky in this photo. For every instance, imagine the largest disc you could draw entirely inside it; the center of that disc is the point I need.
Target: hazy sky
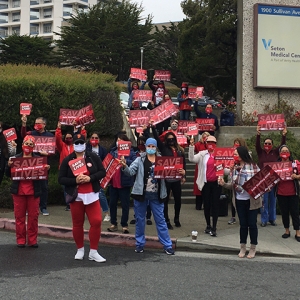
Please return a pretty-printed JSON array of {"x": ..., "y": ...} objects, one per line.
[{"x": 162, "y": 10}]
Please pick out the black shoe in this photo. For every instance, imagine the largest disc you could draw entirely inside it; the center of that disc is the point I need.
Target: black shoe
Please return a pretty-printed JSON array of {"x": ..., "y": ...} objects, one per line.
[
  {"x": 132, "y": 221},
  {"x": 198, "y": 207},
  {"x": 273, "y": 223},
  {"x": 213, "y": 233},
  {"x": 149, "y": 222},
  {"x": 177, "y": 223},
  {"x": 34, "y": 246},
  {"x": 263, "y": 224},
  {"x": 297, "y": 238},
  {"x": 286, "y": 235},
  {"x": 21, "y": 246},
  {"x": 169, "y": 226},
  {"x": 67, "y": 208},
  {"x": 208, "y": 229}
]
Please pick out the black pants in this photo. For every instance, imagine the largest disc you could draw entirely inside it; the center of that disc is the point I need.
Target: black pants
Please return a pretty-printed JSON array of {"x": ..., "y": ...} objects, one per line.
[
  {"x": 211, "y": 194},
  {"x": 175, "y": 187},
  {"x": 289, "y": 205}
]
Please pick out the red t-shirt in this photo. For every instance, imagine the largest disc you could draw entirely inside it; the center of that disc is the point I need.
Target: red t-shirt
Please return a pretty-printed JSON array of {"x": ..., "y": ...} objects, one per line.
[
  {"x": 211, "y": 170},
  {"x": 26, "y": 187},
  {"x": 85, "y": 188},
  {"x": 286, "y": 188}
]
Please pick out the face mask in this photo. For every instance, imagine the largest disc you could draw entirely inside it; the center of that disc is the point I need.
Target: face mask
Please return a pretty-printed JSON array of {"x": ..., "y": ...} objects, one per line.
[
  {"x": 142, "y": 148},
  {"x": 211, "y": 147},
  {"x": 284, "y": 155},
  {"x": 69, "y": 141},
  {"x": 183, "y": 89},
  {"x": 208, "y": 110},
  {"x": 94, "y": 143},
  {"x": 236, "y": 145},
  {"x": 161, "y": 86},
  {"x": 38, "y": 127},
  {"x": 236, "y": 159},
  {"x": 151, "y": 150},
  {"x": 174, "y": 126},
  {"x": 27, "y": 149},
  {"x": 79, "y": 148},
  {"x": 267, "y": 147},
  {"x": 170, "y": 142},
  {"x": 135, "y": 87}
]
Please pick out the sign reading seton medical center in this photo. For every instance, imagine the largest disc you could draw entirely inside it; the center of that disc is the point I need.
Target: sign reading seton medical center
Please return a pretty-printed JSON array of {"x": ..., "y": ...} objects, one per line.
[{"x": 276, "y": 46}]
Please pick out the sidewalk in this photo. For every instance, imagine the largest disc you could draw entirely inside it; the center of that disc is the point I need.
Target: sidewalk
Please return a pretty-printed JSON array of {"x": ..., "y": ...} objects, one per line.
[{"x": 58, "y": 224}]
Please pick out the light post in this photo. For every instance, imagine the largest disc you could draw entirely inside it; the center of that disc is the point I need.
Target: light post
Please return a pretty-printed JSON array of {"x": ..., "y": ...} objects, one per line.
[{"x": 142, "y": 52}]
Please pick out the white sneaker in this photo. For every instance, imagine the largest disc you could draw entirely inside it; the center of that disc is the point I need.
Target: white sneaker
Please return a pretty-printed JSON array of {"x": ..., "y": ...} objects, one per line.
[
  {"x": 80, "y": 254},
  {"x": 96, "y": 257},
  {"x": 106, "y": 218}
]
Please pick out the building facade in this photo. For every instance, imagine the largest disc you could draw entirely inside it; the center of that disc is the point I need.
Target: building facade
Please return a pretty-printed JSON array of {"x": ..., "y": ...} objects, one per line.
[{"x": 38, "y": 17}]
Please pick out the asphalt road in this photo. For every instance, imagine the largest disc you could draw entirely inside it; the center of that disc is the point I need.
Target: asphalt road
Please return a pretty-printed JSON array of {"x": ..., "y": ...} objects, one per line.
[{"x": 50, "y": 272}]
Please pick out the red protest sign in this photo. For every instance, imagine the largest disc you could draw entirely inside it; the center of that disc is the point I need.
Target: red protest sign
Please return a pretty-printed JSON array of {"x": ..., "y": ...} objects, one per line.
[
  {"x": 78, "y": 166},
  {"x": 141, "y": 95},
  {"x": 225, "y": 156},
  {"x": 196, "y": 92},
  {"x": 167, "y": 167},
  {"x": 111, "y": 165},
  {"x": 162, "y": 75},
  {"x": 138, "y": 74},
  {"x": 183, "y": 126},
  {"x": 219, "y": 166},
  {"x": 68, "y": 116},
  {"x": 25, "y": 108},
  {"x": 192, "y": 129},
  {"x": 139, "y": 129},
  {"x": 124, "y": 148},
  {"x": 10, "y": 134},
  {"x": 139, "y": 118},
  {"x": 262, "y": 182},
  {"x": 283, "y": 169},
  {"x": 29, "y": 168},
  {"x": 163, "y": 112},
  {"x": 271, "y": 121},
  {"x": 205, "y": 124},
  {"x": 85, "y": 116},
  {"x": 44, "y": 144},
  {"x": 181, "y": 140}
]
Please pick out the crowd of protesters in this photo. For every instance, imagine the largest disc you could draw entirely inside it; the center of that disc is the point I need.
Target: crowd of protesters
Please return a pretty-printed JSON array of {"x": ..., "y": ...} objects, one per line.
[{"x": 135, "y": 179}]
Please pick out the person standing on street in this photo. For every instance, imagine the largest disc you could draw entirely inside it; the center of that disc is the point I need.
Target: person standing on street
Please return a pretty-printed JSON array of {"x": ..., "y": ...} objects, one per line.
[{"x": 208, "y": 114}]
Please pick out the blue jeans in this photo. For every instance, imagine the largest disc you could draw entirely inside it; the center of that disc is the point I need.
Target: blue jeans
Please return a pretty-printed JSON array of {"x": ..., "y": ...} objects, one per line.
[
  {"x": 185, "y": 114},
  {"x": 124, "y": 195},
  {"x": 248, "y": 220},
  {"x": 44, "y": 194},
  {"x": 103, "y": 201},
  {"x": 268, "y": 210},
  {"x": 157, "y": 208}
]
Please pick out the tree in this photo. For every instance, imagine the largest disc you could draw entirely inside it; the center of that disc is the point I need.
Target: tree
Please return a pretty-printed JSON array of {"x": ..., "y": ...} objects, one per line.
[
  {"x": 27, "y": 50},
  {"x": 106, "y": 38},
  {"x": 207, "y": 45}
]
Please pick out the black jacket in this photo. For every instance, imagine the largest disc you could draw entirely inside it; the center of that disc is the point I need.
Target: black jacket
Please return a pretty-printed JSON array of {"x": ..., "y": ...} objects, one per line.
[
  {"x": 14, "y": 189},
  {"x": 67, "y": 178}
]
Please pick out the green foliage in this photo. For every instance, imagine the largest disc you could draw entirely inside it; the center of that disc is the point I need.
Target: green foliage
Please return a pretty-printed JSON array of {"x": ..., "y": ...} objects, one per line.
[
  {"x": 5, "y": 195},
  {"x": 106, "y": 38},
  {"x": 49, "y": 89},
  {"x": 27, "y": 50}
]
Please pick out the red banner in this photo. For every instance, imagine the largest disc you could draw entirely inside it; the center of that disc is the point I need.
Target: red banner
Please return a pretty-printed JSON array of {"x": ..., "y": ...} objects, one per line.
[
  {"x": 141, "y": 95},
  {"x": 138, "y": 118},
  {"x": 162, "y": 75},
  {"x": 183, "y": 126},
  {"x": 25, "y": 108},
  {"x": 78, "y": 166},
  {"x": 205, "y": 124},
  {"x": 29, "y": 168},
  {"x": 262, "y": 182},
  {"x": 181, "y": 140},
  {"x": 224, "y": 156},
  {"x": 196, "y": 92},
  {"x": 192, "y": 129},
  {"x": 167, "y": 167},
  {"x": 271, "y": 121},
  {"x": 85, "y": 116},
  {"x": 164, "y": 111},
  {"x": 124, "y": 148},
  {"x": 68, "y": 116},
  {"x": 44, "y": 144},
  {"x": 138, "y": 74},
  {"x": 283, "y": 169},
  {"x": 111, "y": 165},
  {"x": 10, "y": 134}
]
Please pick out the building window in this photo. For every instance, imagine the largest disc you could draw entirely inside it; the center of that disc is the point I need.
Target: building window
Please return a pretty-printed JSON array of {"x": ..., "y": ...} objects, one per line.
[
  {"x": 16, "y": 4},
  {"x": 48, "y": 13},
  {"x": 47, "y": 1},
  {"x": 16, "y": 30},
  {"x": 16, "y": 17},
  {"x": 3, "y": 18},
  {"x": 34, "y": 14},
  {"x": 67, "y": 10},
  {"x": 3, "y": 32},
  {"x": 3, "y": 5},
  {"x": 34, "y": 29},
  {"x": 47, "y": 28},
  {"x": 34, "y": 2}
]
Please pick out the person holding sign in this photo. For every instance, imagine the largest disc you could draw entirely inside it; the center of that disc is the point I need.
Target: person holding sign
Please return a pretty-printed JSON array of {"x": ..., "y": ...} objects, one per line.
[
  {"x": 159, "y": 90},
  {"x": 265, "y": 155},
  {"x": 148, "y": 190},
  {"x": 170, "y": 147},
  {"x": 207, "y": 115},
  {"x": 287, "y": 192},
  {"x": 184, "y": 102},
  {"x": 132, "y": 86},
  {"x": 39, "y": 131},
  {"x": 26, "y": 196},
  {"x": 246, "y": 206},
  {"x": 87, "y": 202},
  {"x": 207, "y": 182}
]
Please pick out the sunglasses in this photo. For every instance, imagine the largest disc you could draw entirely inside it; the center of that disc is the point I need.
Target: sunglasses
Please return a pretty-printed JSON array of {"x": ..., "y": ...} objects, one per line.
[
  {"x": 171, "y": 139},
  {"x": 29, "y": 145},
  {"x": 79, "y": 142},
  {"x": 268, "y": 143},
  {"x": 94, "y": 138}
]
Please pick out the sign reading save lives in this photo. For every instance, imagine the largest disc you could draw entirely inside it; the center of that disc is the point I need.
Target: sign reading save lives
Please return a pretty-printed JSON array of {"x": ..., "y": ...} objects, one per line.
[
  {"x": 167, "y": 167},
  {"x": 124, "y": 148},
  {"x": 271, "y": 121},
  {"x": 82, "y": 116},
  {"x": 78, "y": 166},
  {"x": 44, "y": 144}
]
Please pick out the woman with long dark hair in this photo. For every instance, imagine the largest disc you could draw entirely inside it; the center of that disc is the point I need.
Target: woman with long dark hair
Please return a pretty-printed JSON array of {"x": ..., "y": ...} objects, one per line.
[
  {"x": 246, "y": 206},
  {"x": 184, "y": 102}
]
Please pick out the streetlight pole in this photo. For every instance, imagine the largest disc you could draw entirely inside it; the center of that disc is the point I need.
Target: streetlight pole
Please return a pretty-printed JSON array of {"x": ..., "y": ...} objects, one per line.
[{"x": 142, "y": 52}]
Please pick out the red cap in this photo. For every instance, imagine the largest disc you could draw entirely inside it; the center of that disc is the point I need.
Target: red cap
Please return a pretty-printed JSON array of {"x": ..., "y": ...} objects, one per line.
[{"x": 184, "y": 85}]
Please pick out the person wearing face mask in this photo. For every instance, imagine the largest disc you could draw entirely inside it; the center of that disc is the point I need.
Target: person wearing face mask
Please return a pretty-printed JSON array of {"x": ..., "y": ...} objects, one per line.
[
  {"x": 208, "y": 114},
  {"x": 184, "y": 102},
  {"x": 132, "y": 86},
  {"x": 287, "y": 192},
  {"x": 64, "y": 146},
  {"x": 158, "y": 90},
  {"x": 148, "y": 190},
  {"x": 94, "y": 146},
  {"x": 173, "y": 128},
  {"x": 120, "y": 186},
  {"x": 170, "y": 147},
  {"x": 207, "y": 182},
  {"x": 87, "y": 201},
  {"x": 26, "y": 196},
  {"x": 39, "y": 130},
  {"x": 246, "y": 206},
  {"x": 268, "y": 154}
]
